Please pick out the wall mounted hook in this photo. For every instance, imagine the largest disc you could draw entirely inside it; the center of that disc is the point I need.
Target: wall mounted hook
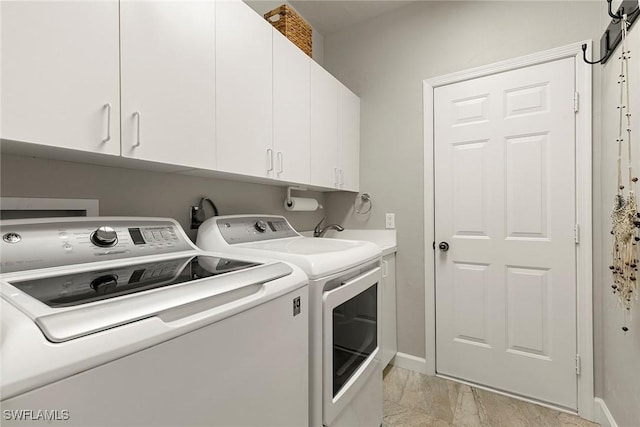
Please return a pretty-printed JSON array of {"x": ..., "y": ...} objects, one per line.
[
  {"x": 584, "y": 56},
  {"x": 620, "y": 12},
  {"x": 613, "y": 34}
]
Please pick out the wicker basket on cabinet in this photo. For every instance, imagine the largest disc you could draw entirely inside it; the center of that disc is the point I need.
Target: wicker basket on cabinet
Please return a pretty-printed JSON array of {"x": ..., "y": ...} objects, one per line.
[{"x": 292, "y": 26}]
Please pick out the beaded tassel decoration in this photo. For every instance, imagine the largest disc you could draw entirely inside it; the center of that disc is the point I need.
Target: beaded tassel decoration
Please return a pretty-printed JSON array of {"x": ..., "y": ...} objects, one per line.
[{"x": 625, "y": 217}]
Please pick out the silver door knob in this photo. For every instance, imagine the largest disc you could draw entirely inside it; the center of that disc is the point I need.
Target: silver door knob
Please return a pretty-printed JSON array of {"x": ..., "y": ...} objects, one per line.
[{"x": 443, "y": 246}]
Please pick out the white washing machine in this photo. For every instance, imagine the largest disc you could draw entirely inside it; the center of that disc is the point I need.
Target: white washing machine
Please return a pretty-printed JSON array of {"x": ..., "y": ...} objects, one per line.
[
  {"x": 123, "y": 321},
  {"x": 344, "y": 277}
]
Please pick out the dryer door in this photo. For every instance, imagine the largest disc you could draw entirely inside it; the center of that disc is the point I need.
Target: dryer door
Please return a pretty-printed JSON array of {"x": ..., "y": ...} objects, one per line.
[{"x": 351, "y": 337}]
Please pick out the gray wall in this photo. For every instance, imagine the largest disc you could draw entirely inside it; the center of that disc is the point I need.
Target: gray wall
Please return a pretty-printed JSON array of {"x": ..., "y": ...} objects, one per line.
[
  {"x": 384, "y": 61},
  {"x": 140, "y": 193},
  {"x": 619, "y": 352}
]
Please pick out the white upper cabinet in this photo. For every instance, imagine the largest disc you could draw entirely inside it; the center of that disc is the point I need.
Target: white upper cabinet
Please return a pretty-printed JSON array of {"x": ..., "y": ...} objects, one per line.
[
  {"x": 291, "y": 92},
  {"x": 324, "y": 128},
  {"x": 196, "y": 84},
  {"x": 60, "y": 74},
  {"x": 244, "y": 99},
  {"x": 348, "y": 139},
  {"x": 335, "y": 132},
  {"x": 168, "y": 81}
]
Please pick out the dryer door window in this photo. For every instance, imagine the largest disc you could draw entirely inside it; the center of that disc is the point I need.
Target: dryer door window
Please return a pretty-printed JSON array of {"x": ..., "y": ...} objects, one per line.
[{"x": 354, "y": 335}]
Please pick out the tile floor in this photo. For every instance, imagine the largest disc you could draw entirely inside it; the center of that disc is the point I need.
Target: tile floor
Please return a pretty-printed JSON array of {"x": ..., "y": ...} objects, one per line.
[{"x": 412, "y": 399}]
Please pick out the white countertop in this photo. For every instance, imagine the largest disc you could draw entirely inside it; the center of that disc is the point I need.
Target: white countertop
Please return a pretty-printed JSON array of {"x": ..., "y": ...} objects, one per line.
[{"x": 385, "y": 239}]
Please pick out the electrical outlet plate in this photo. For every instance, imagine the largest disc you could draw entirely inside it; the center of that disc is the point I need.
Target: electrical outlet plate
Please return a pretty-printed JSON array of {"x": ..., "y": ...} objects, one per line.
[{"x": 390, "y": 220}]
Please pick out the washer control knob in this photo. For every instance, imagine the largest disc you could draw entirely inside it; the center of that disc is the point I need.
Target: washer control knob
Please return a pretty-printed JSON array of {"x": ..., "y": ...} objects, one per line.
[
  {"x": 104, "y": 284},
  {"x": 261, "y": 226},
  {"x": 104, "y": 237}
]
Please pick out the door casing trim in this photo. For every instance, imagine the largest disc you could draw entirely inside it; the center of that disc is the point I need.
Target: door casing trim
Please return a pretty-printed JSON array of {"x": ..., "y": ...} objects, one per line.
[{"x": 583, "y": 179}]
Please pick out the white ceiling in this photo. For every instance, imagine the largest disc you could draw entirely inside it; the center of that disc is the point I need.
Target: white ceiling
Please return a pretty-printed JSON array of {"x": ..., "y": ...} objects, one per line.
[{"x": 331, "y": 16}]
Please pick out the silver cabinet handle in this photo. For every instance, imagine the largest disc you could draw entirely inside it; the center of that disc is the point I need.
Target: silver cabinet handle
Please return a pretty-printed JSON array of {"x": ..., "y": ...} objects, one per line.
[
  {"x": 137, "y": 116},
  {"x": 107, "y": 106},
  {"x": 270, "y": 159},
  {"x": 281, "y": 161}
]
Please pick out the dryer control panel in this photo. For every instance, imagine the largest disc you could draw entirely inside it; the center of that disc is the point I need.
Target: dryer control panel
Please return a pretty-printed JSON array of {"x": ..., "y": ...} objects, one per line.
[
  {"x": 244, "y": 229},
  {"x": 31, "y": 244}
]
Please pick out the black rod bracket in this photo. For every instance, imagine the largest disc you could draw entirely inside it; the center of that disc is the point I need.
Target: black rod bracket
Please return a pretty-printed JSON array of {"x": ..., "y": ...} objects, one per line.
[{"x": 613, "y": 34}]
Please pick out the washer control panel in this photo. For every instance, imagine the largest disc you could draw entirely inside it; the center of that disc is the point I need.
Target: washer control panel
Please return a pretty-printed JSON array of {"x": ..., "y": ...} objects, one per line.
[
  {"x": 254, "y": 228},
  {"x": 27, "y": 246}
]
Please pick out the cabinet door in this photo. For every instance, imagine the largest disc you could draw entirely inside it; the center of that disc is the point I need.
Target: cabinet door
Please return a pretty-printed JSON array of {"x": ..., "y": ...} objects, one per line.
[
  {"x": 389, "y": 335},
  {"x": 324, "y": 127},
  {"x": 168, "y": 81},
  {"x": 291, "y": 132},
  {"x": 244, "y": 90},
  {"x": 60, "y": 74},
  {"x": 348, "y": 139}
]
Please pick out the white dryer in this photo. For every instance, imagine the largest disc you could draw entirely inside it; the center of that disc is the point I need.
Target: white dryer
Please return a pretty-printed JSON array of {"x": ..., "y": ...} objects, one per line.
[
  {"x": 123, "y": 321},
  {"x": 344, "y": 278}
]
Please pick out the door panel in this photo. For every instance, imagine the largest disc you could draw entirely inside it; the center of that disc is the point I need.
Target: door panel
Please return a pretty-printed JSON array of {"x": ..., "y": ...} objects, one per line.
[
  {"x": 324, "y": 127},
  {"x": 528, "y": 310},
  {"x": 168, "y": 82},
  {"x": 348, "y": 139},
  {"x": 470, "y": 291},
  {"x": 505, "y": 202},
  {"x": 244, "y": 90},
  {"x": 291, "y": 92},
  {"x": 60, "y": 70},
  {"x": 468, "y": 188}
]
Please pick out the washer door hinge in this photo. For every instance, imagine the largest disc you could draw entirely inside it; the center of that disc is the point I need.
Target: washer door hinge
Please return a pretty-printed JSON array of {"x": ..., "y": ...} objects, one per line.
[
  {"x": 577, "y": 364},
  {"x": 576, "y": 101},
  {"x": 576, "y": 233}
]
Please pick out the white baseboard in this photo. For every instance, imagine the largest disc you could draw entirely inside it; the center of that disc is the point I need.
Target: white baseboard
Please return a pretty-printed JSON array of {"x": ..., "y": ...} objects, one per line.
[
  {"x": 412, "y": 363},
  {"x": 602, "y": 414}
]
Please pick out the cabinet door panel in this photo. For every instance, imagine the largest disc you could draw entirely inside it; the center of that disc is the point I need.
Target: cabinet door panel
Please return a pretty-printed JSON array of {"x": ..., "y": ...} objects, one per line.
[
  {"x": 324, "y": 127},
  {"x": 168, "y": 77},
  {"x": 348, "y": 138},
  {"x": 290, "y": 110},
  {"x": 389, "y": 336},
  {"x": 59, "y": 70},
  {"x": 244, "y": 89}
]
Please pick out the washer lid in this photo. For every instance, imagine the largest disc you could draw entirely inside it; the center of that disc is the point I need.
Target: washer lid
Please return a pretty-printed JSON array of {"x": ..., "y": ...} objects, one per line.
[
  {"x": 73, "y": 305},
  {"x": 73, "y": 289}
]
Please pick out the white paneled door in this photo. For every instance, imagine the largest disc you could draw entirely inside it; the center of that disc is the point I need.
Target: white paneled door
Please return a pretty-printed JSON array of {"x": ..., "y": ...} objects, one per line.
[{"x": 505, "y": 197}]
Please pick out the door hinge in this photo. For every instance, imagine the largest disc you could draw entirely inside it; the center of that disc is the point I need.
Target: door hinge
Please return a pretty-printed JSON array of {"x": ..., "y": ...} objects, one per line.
[
  {"x": 576, "y": 102},
  {"x": 576, "y": 233},
  {"x": 577, "y": 364}
]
